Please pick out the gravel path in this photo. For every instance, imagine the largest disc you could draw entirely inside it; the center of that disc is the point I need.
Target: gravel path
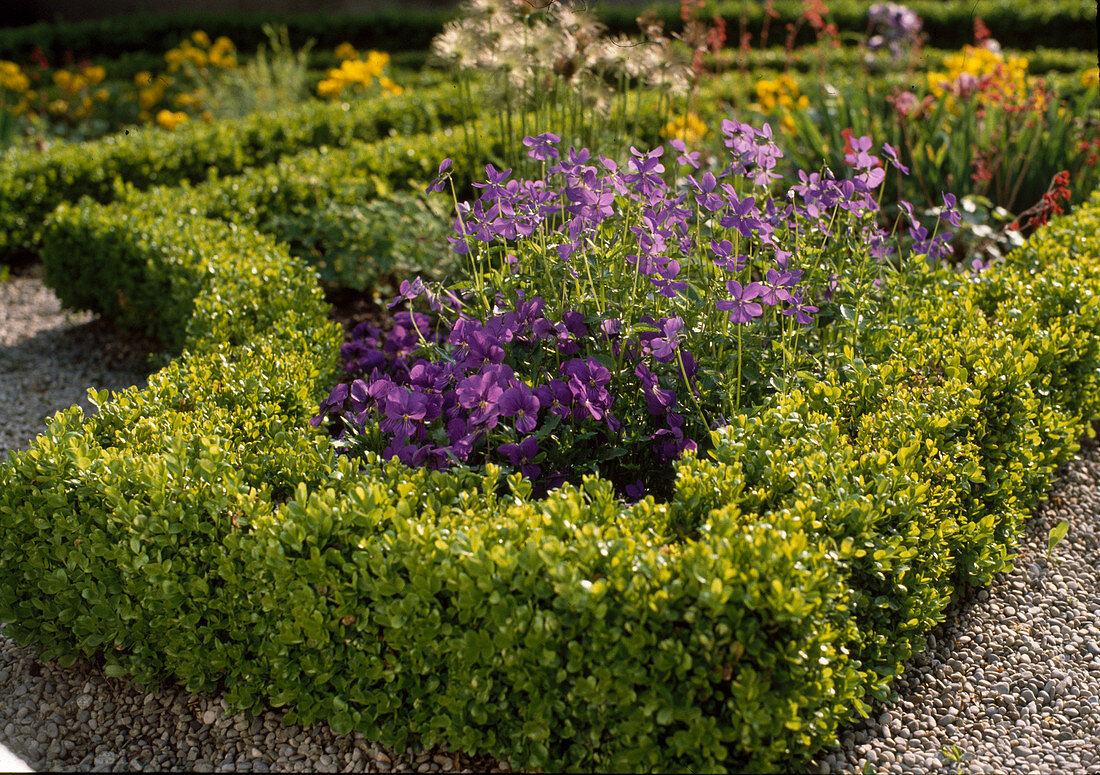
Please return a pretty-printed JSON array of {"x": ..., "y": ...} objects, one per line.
[{"x": 1009, "y": 683}]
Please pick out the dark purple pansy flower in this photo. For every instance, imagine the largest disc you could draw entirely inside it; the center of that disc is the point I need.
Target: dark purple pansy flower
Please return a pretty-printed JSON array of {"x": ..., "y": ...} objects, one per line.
[
  {"x": 521, "y": 403},
  {"x": 555, "y": 396},
  {"x": 741, "y": 215},
  {"x": 520, "y": 456},
  {"x": 409, "y": 454},
  {"x": 658, "y": 400},
  {"x": 685, "y": 159},
  {"x": 404, "y": 410}
]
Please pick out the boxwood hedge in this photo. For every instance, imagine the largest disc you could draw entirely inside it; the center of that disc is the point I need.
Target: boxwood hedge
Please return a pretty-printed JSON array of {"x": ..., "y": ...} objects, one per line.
[
  {"x": 200, "y": 529},
  {"x": 33, "y": 183}
]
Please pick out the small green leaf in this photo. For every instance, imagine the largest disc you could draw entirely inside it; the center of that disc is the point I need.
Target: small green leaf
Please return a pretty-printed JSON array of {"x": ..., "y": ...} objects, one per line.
[{"x": 1057, "y": 533}]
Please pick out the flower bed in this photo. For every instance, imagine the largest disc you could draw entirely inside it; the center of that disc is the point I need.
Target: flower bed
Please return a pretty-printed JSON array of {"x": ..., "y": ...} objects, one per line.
[
  {"x": 837, "y": 523},
  {"x": 827, "y": 492}
]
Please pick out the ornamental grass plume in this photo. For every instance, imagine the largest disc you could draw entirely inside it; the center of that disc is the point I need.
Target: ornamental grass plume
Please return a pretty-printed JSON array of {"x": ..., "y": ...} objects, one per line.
[
  {"x": 555, "y": 62},
  {"x": 616, "y": 312}
]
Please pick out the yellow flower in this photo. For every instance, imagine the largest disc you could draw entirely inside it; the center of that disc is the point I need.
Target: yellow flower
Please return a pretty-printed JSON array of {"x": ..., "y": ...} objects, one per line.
[
  {"x": 102, "y": 95},
  {"x": 174, "y": 57},
  {"x": 222, "y": 53},
  {"x": 195, "y": 55},
  {"x": 94, "y": 74},
  {"x": 988, "y": 76},
  {"x": 330, "y": 87},
  {"x": 689, "y": 128},
  {"x": 144, "y": 78},
  {"x": 12, "y": 77},
  {"x": 186, "y": 100},
  {"x": 346, "y": 51},
  {"x": 150, "y": 96},
  {"x": 170, "y": 120},
  {"x": 376, "y": 60},
  {"x": 201, "y": 38},
  {"x": 57, "y": 107},
  {"x": 389, "y": 87},
  {"x": 1091, "y": 77},
  {"x": 66, "y": 80}
]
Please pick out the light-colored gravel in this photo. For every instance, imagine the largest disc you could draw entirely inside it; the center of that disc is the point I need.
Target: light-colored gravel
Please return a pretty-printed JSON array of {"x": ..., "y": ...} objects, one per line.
[{"x": 1009, "y": 683}]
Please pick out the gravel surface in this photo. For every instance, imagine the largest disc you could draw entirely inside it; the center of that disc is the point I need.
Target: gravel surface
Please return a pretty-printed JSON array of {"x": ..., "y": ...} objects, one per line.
[{"x": 1009, "y": 683}]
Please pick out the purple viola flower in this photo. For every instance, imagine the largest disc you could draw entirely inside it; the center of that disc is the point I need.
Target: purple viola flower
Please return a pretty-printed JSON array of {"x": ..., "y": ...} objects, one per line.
[
  {"x": 521, "y": 403},
  {"x": 611, "y": 328},
  {"x": 587, "y": 401},
  {"x": 520, "y": 456},
  {"x": 409, "y": 454},
  {"x": 573, "y": 163},
  {"x": 706, "y": 198},
  {"x": 774, "y": 287},
  {"x": 481, "y": 394},
  {"x": 891, "y": 154},
  {"x": 668, "y": 443},
  {"x": 408, "y": 292},
  {"x": 646, "y": 178},
  {"x": 741, "y": 215},
  {"x": 635, "y": 491},
  {"x": 589, "y": 372},
  {"x": 555, "y": 396},
  {"x": 685, "y": 159},
  {"x": 690, "y": 366},
  {"x": 723, "y": 258},
  {"x": 360, "y": 396},
  {"x": 334, "y": 402},
  {"x": 869, "y": 180},
  {"x": 950, "y": 212},
  {"x": 800, "y": 310},
  {"x": 574, "y": 322},
  {"x": 440, "y": 181},
  {"x": 740, "y": 305},
  {"x": 664, "y": 347},
  {"x": 493, "y": 188},
  {"x": 542, "y": 146},
  {"x": 483, "y": 349},
  {"x": 380, "y": 388},
  {"x": 859, "y": 158},
  {"x": 404, "y": 409},
  {"x": 658, "y": 400}
]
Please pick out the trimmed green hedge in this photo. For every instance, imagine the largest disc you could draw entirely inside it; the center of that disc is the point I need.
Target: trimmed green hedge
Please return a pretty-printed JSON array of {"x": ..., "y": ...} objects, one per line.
[
  {"x": 304, "y": 199},
  {"x": 200, "y": 528},
  {"x": 32, "y": 183}
]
